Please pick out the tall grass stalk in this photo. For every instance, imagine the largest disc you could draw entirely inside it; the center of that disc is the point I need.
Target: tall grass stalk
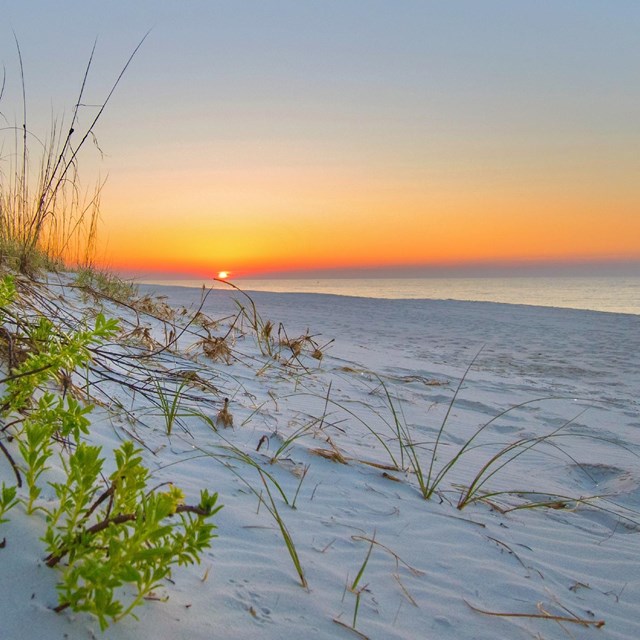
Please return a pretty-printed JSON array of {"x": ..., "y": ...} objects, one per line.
[
  {"x": 355, "y": 416},
  {"x": 303, "y": 475},
  {"x": 45, "y": 216},
  {"x": 237, "y": 454},
  {"x": 261, "y": 328},
  {"x": 435, "y": 480},
  {"x": 429, "y": 487},
  {"x": 267, "y": 479},
  {"x": 400, "y": 430},
  {"x": 429, "y": 480},
  {"x": 298, "y": 433}
]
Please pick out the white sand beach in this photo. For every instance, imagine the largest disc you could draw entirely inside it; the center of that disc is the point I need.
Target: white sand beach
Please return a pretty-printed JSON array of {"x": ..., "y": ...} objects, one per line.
[{"x": 345, "y": 439}]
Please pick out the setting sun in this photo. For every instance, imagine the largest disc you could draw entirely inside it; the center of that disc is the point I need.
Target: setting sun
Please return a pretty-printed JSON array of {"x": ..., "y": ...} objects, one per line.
[{"x": 223, "y": 275}]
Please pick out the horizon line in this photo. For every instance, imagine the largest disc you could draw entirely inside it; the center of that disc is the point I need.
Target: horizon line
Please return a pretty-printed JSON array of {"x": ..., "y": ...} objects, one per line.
[{"x": 594, "y": 268}]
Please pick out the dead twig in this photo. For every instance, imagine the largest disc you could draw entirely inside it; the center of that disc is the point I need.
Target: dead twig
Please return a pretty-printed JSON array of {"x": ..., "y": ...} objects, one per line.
[{"x": 540, "y": 616}]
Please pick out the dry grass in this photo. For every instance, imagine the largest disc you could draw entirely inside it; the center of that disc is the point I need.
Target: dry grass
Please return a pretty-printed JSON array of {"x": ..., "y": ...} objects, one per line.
[
  {"x": 47, "y": 217},
  {"x": 224, "y": 417},
  {"x": 155, "y": 306},
  {"x": 542, "y": 615},
  {"x": 216, "y": 348}
]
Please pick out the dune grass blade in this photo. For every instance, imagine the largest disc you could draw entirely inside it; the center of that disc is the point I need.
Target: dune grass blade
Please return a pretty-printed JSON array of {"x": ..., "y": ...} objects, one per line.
[
  {"x": 298, "y": 433},
  {"x": 285, "y": 532},
  {"x": 431, "y": 486},
  {"x": 170, "y": 407},
  {"x": 301, "y": 431},
  {"x": 551, "y": 500},
  {"x": 302, "y": 477},
  {"x": 346, "y": 626},
  {"x": 354, "y": 585},
  {"x": 259, "y": 327},
  {"x": 471, "y": 494},
  {"x": 556, "y": 501},
  {"x": 399, "y": 427},
  {"x": 397, "y": 558},
  {"x": 435, "y": 481},
  {"x": 356, "y": 417},
  {"x": 407, "y": 446},
  {"x": 519, "y": 447},
  {"x": 235, "y": 453},
  {"x": 247, "y": 459},
  {"x": 270, "y": 506}
]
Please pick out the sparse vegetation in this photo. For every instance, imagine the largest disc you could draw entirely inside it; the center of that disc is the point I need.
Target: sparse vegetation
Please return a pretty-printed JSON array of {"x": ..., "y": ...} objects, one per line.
[
  {"x": 102, "y": 284},
  {"x": 100, "y": 534}
]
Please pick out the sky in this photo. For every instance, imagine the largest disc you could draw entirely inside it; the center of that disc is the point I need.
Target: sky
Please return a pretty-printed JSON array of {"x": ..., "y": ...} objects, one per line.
[{"x": 277, "y": 136}]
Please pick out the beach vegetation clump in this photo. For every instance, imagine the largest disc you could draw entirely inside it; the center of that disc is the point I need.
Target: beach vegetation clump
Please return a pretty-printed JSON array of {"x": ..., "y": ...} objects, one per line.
[
  {"x": 102, "y": 284},
  {"x": 170, "y": 403},
  {"x": 154, "y": 306},
  {"x": 216, "y": 348},
  {"x": 101, "y": 532},
  {"x": 47, "y": 217},
  {"x": 423, "y": 462},
  {"x": 120, "y": 534}
]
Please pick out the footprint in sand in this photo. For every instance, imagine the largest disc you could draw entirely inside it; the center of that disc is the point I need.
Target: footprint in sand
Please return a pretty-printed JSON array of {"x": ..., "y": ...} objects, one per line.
[
  {"x": 608, "y": 480},
  {"x": 250, "y": 601},
  {"x": 620, "y": 488}
]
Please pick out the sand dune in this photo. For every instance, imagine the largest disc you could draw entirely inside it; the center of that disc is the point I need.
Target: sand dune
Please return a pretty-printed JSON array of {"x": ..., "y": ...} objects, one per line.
[{"x": 331, "y": 432}]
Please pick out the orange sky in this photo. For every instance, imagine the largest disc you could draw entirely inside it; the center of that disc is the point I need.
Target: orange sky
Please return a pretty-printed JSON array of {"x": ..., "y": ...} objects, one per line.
[{"x": 253, "y": 218}]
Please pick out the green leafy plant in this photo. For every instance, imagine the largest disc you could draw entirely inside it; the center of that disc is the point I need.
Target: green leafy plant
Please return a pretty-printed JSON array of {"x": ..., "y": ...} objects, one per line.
[
  {"x": 121, "y": 534},
  {"x": 8, "y": 500},
  {"x": 52, "y": 351}
]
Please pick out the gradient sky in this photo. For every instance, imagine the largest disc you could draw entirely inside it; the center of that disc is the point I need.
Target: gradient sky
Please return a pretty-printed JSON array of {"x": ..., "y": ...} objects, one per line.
[{"x": 254, "y": 136}]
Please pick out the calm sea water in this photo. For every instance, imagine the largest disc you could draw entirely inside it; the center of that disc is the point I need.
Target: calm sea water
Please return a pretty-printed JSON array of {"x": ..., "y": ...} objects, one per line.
[{"x": 613, "y": 294}]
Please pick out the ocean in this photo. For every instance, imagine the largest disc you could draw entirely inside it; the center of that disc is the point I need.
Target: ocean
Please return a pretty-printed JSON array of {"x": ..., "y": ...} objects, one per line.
[{"x": 610, "y": 294}]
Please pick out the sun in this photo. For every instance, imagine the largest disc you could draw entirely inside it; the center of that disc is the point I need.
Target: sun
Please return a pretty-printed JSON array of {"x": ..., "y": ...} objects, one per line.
[{"x": 223, "y": 275}]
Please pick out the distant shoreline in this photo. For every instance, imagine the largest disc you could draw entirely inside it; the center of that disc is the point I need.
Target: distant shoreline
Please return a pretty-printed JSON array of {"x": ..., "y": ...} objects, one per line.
[{"x": 605, "y": 294}]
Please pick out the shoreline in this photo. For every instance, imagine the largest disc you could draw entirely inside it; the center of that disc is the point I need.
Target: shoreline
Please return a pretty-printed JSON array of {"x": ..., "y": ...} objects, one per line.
[
  {"x": 607, "y": 295},
  {"x": 151, "y": 287}
]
